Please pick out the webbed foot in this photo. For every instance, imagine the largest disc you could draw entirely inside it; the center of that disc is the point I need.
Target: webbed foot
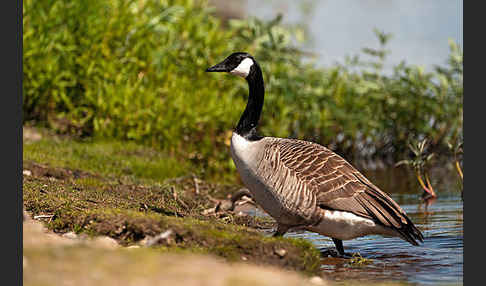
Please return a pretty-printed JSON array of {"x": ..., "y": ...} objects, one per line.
[{"x": 333, "y": 253}]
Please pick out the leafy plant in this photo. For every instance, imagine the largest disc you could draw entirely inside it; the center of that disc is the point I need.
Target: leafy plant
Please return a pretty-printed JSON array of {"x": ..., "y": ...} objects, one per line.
[
  {"x": 419, "y": 164},
  {"x": 457, "y": 149},
  {"x": 134, "y": 70}
]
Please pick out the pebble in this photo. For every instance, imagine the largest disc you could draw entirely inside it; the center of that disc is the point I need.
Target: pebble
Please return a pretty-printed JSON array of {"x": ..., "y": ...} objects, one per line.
[
  {"x": 27, "y": 173},
  {"x": 164, "y": 237},
  {"x": 106, "y": 241},
  {"x": 70, "y": 235},
  {"x": 316, "y": 280},
  {"x": 280, "y": 252}
]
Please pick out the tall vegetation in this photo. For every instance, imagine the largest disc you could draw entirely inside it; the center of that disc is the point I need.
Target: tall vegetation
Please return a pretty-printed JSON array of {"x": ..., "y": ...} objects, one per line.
[{"x": 134, "y": 70}]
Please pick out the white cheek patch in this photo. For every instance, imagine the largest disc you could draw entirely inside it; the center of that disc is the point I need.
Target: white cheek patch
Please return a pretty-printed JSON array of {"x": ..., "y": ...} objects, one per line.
[{"x": 243, "y": 69}]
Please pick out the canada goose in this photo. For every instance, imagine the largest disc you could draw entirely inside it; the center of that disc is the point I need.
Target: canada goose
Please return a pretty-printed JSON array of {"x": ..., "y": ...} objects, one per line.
[{"x": 303, "y": 184}]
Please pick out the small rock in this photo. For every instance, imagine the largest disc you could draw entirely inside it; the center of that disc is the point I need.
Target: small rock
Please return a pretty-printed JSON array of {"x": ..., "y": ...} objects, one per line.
[
  {"x": 244, "y": 258},
  {"x": 208, "y": 212},
  {"x": 280, "y": 252},
  {"x": 27, "y": 173},
  {"x": 70, "y": 235},
  {"x": 38, "y": 217},
  {"x": 316, "y": 280},
  {"x": 133, "y": 246},
  {"x": 163, "y": 238},
  {"x": 107, "y": 242}
]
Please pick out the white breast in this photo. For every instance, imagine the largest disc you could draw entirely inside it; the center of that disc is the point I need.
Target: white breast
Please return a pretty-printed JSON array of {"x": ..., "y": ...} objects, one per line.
[
  {"x": 244, "y": 151},
  {"x": 246, "y": 155}
]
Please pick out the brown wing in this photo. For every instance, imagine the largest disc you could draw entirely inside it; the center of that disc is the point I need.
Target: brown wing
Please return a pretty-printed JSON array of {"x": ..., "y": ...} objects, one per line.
[{"x": 337, "y": 185}]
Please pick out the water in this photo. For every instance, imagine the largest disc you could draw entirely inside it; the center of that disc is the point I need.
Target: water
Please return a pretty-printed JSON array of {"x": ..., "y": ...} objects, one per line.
[{"x": 438, "y": 261}]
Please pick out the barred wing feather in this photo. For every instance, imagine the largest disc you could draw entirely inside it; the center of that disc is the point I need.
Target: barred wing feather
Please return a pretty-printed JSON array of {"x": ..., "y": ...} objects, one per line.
[{"x": 337, "y": 185}]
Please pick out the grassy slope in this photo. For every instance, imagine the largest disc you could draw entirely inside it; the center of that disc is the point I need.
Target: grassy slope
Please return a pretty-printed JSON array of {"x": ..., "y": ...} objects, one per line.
[{"x": 95, "y": 196}]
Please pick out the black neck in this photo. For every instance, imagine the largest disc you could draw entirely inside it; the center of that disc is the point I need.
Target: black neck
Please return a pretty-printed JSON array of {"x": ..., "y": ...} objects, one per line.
[{"x": 249, "y": 119}]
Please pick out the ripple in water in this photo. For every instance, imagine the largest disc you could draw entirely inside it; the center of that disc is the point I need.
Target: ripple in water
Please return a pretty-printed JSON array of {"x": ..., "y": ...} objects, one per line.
[{"x": 439, "y": 260}]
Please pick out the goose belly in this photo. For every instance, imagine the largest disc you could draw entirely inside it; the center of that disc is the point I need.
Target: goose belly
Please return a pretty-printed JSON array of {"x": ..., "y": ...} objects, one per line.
[
  {"x": 263, "y": 196},
  {"x": 345, "y": 225}
]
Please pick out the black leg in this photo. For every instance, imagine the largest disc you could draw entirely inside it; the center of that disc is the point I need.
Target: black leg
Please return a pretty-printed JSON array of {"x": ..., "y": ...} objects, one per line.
[
  {"x": 340, "y": 248},
  {"x": 339, "y": 245}
]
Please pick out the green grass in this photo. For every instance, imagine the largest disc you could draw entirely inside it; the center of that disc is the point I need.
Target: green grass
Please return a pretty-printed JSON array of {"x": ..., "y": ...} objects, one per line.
[{"x": 105, "y": 157}]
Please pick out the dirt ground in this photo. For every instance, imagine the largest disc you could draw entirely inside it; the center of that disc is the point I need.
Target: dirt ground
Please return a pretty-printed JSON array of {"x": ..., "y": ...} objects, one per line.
[{"x": 52, "y": 259}]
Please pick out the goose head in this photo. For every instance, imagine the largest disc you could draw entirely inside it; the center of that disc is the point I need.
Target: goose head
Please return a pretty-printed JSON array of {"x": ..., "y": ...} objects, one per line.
[{"x": 239, "y": 63}]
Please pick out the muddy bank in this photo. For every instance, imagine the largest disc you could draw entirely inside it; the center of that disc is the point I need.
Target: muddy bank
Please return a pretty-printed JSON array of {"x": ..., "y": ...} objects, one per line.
[
  {"x": 170, "y": 217},
  {"x": 52, "y": 259}
]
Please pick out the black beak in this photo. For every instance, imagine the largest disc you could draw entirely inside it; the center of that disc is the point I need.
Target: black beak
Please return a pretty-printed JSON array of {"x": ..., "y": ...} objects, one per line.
[{"x": 221, "y": 67}]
